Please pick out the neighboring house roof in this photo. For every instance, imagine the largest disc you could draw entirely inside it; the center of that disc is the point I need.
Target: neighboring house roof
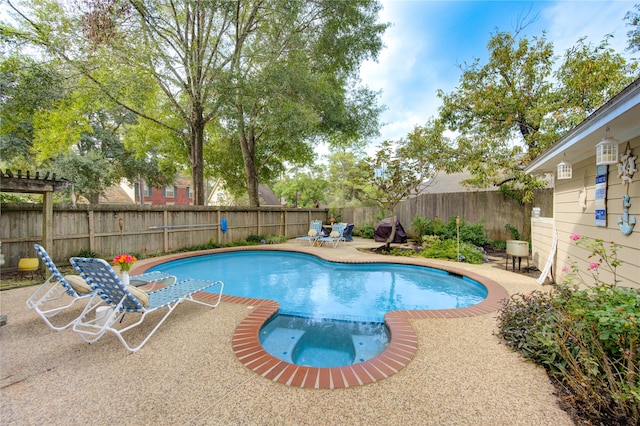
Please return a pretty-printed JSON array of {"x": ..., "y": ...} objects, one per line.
[
  {"x": 449, "y": 183},
  {"x": 621, "y": 115},
  {"x": 267, "y": 196},
  {"x": 444, "y": 183},
  {"x": 115, "y": 195}
]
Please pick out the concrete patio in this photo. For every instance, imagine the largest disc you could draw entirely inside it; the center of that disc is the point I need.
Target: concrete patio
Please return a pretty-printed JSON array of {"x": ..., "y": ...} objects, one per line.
[{"x": 188, "y": 373}]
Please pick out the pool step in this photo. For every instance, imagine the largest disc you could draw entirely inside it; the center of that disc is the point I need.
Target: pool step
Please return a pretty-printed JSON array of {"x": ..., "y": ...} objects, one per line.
[
  {"x": 366, "y": 347},
  {"x": 281, "y": 341}
]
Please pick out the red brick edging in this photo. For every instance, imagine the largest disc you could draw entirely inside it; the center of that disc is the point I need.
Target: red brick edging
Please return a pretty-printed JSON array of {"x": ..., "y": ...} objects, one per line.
[{"x": 403, "y": 341}]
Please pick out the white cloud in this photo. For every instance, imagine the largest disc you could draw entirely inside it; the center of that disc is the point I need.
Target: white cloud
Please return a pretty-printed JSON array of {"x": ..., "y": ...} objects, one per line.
[{"x": 568, "y": 21}]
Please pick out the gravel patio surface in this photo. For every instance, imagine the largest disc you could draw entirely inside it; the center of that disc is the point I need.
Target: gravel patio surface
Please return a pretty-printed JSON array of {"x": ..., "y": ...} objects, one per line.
[{"x": 187, "y": 373}]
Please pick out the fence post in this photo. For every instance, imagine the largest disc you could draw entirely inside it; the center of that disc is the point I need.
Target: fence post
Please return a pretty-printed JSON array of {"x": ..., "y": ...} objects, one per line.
[
  {"x": 165, "y": 231},
  {"x": 92, "y": 230},
  {"x": 219, "y": 236},
  {"x": 258, "y": 223}
]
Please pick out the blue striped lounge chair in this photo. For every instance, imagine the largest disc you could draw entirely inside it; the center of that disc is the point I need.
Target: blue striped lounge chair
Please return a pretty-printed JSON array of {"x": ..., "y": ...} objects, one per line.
[
  {"x": 335, "y": 236},
  {"x": 57, "y": 294},
  {"x": 60, "y": 292},
  {"x": 118, "y": 299},
  {"x": 315, "y": 232}
]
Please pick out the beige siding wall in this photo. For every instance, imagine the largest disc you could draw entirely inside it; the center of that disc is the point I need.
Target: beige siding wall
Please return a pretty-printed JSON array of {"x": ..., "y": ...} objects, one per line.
[
  {"x": 574, "y": 212},
  {"x": 541, "y": 239}
]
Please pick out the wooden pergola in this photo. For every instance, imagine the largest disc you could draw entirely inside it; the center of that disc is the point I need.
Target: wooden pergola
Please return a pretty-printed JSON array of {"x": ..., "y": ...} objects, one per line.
[{"x": 45, "y": 185}]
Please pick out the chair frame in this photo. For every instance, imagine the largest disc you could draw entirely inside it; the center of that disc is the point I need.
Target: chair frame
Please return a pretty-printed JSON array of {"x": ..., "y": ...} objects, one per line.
[
  {"x": 53, "y": 289},
  {"x": 315, "y": 225},
  {"x": 338, "y": 227},
  {"x": 111, "y": 292}
]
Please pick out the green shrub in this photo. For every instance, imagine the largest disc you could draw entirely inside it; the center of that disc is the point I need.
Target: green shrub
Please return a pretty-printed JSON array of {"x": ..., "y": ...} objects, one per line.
[
  {"x": 515, "y": 234},
  {"x": 401, "y": 252},
  {"x": 365, "y": 231},
  {"x": 586, "y": 337},
  {"x": 430, "y": 240},
  {"x": 473, "y": 233},
  {"x": 255, "y": 238},
  {"x": 276, "y": 239},
  {"x": 448, "y": 249},
  {"x": 499, "y": 244},
  {"x": 524, "y": 320},
  {"x": 87, "y": 253}
]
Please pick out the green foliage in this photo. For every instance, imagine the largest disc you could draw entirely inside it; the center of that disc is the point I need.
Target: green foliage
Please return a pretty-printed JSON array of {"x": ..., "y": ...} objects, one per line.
[
  {"x": 303, "y": 189},
  {"x": 499, "y": 244},
  {"x": 276, "y": 239},
  {"x": 448, "y": 249},
  {"x": 430, "y": 240},
  {"x": 513, "y": 107},
  {"x": 633, "y": 18},
  {"x": 515, "y": 234},
  {"x": 587, "y": 337},
  {"x": 366, "y": 230},
  {"x": 87, "y": 253},
  {"x": 524, "y": 320},
  {"x": 401, "y": 252},
  {"x": 255, "y": 238},
  {"x": 396, "y": 171},
  {"x": 473, "y": 233},
  {"x": 260, "y": 83},
  {"x": 347, "y": 179},
  {"x": 8, "y": 197}
]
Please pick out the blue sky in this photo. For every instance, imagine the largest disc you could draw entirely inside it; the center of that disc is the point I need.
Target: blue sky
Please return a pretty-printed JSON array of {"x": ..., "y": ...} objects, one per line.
[{"x": 428, "y": 40}]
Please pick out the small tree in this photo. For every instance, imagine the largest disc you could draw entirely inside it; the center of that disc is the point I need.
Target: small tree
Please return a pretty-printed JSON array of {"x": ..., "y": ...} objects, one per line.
[{"x": 397, "y": 173}]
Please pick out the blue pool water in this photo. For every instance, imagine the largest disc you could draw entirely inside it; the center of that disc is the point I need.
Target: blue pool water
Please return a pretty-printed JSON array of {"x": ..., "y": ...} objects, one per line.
[
  {"x": 322, "y": 343},
  {"x": 331, "y": 314},
  {"x": 305, "y": 285}
]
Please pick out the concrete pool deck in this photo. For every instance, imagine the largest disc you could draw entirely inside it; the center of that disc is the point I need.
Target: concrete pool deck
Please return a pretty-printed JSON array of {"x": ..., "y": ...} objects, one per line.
[{"x": 188, "y": 373}]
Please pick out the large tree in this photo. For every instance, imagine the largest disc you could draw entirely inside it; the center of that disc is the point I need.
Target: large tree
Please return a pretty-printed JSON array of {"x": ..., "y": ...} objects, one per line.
[
  {"x": 292, "y": 64},
  {"x": 220, "y": 70},
  {"x": 50, "y": 118},
  {"x": 510, "y": 109}
]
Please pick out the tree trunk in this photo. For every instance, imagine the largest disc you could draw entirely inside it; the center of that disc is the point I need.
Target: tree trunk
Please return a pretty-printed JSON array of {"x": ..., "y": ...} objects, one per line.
[
  {"x": 393, "y": 232},
  {"x": 250, "y": 169},
  {"x": 247, "y": 144},
  {"x": 526, "y": 222},
  {"x": 196, "y": 156}
]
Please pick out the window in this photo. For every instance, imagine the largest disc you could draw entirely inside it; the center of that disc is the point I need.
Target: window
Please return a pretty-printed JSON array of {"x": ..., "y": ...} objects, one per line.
[
  {"x": 189, "y": 195},
  {"x": 168, "y": 191},
  {"x": 148, "y": 191}
]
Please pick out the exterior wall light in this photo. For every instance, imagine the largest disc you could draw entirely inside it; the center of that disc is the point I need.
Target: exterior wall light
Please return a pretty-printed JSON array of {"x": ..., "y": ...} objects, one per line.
[
  {"x": 565, "y": 171},
  {"x": 607, "y": 151}
]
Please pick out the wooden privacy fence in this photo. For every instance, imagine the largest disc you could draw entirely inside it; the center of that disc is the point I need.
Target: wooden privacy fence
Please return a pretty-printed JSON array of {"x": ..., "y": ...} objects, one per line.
[
  {"x": 108, "y": 230},
  {"x": 491, "y": 206}
]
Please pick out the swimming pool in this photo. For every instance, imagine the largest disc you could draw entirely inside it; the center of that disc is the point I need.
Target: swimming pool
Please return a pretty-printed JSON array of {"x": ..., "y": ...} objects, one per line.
[
  {"x": 403, "y": 341},
  {"x": 305, "y": 285}
]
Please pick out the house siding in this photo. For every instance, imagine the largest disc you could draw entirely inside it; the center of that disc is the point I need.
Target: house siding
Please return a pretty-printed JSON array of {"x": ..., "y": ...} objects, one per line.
[{"x": 571, "y": 216}]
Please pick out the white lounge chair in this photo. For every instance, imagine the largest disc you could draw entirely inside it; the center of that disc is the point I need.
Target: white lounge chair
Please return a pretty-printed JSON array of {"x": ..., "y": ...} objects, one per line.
[
  {"x": 315, "y": 232},
  {"x": 49, "y": 300},
  {"x": 122, "y": 299},
  {"x": 335, "y": 236}
]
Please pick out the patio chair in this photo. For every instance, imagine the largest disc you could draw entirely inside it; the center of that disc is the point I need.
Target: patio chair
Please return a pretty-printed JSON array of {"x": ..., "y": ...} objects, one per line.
[
  {"x": 315, "y": 231},
  {"x": 119, "y": 299},
  {"x": 335, "y": 236},
  {"x": 46, "y": 301}
]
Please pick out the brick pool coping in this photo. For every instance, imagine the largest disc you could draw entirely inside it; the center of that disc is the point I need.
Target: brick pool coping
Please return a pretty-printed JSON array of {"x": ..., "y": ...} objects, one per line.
[{"x": 403, "y": 342}]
